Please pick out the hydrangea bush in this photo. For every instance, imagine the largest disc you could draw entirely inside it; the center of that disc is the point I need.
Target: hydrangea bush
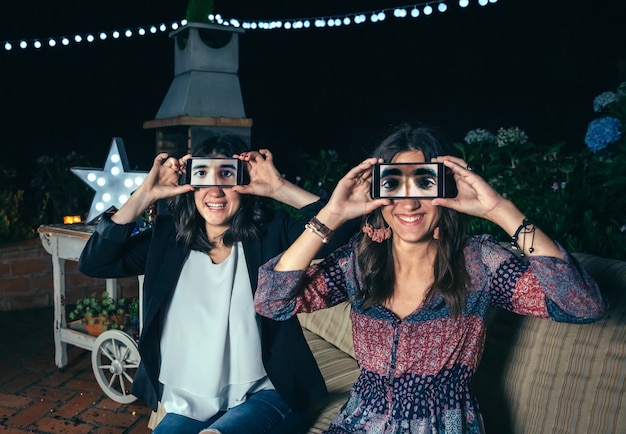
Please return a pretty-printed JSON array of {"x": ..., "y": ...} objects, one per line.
[{"x": 576, "y": 196}]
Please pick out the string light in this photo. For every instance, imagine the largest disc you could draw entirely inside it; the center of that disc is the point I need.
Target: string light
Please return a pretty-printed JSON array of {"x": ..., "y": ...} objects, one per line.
[
  {"x": 415, "y": 10},
  {"x": 102, "y": 36}
]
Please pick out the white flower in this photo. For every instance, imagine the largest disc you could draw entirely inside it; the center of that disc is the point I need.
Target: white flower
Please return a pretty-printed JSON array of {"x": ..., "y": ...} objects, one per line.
[
  {"x": 479, "y": 135},
  {"x": 511, "y": 136}
]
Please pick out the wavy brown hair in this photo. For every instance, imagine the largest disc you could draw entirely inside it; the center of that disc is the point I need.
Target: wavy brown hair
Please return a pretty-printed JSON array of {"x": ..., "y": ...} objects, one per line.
[{"x": 375, "y": 259}]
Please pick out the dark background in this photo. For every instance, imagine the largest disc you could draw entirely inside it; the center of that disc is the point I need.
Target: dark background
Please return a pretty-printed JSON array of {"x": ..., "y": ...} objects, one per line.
[{"x": 536, "y": 64}]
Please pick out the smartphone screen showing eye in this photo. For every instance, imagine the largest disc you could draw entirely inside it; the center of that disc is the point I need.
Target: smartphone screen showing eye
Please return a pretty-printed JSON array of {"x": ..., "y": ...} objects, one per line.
[
  {"x": 214, "y": 172},
  {"x": 408, "y": 181}
]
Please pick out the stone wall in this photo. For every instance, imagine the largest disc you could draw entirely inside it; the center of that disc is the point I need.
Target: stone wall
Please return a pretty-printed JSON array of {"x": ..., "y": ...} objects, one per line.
[{"x": 26, "y": 278}]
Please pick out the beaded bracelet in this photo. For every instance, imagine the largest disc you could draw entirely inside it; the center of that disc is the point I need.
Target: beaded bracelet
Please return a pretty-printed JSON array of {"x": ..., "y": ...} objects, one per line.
[
  {"x": 527, "y": 227},
  {"x": 319, "y": 229}
]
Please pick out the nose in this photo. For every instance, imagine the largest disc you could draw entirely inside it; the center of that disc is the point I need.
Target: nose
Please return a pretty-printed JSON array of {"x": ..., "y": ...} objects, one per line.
[
  {"x": 212, "y": 191},
  {"x": 410, "y": 204}
]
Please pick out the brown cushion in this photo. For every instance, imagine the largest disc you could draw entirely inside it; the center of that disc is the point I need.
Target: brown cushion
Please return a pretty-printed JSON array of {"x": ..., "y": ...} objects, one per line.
[
  {"x": 339, "y": 370},
  {"x": 538, "y": 376},
  {"x": 332, "y": 324}
]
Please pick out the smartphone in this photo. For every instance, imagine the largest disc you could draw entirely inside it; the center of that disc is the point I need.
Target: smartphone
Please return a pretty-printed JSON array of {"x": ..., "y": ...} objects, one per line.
[
  {"x": 417, "y": 180},
  {"x": 214, "y": 172}
]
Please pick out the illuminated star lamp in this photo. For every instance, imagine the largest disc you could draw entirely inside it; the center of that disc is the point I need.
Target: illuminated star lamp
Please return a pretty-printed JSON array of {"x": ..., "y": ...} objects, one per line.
[{"x": 114, "y": 184}]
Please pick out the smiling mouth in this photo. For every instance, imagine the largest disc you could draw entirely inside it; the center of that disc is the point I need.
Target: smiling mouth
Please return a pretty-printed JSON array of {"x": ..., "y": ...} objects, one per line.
[
  {"x": 216, "y": 205},
  {"x": 410, "y": 219}
]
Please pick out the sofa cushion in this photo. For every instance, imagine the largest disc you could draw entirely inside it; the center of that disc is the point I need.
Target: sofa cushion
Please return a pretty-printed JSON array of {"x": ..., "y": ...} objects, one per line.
[
  {"x": 538, "y": 376},
  {"x": 333, "y": 325},
  {"x": 339, "y": 370}
]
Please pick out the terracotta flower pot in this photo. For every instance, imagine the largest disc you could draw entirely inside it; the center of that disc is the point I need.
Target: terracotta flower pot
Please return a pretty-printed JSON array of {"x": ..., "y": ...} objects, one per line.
[{"x": 95, "y": 326}]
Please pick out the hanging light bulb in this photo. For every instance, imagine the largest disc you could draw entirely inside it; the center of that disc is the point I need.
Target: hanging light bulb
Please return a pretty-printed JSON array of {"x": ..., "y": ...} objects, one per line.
[{"x": 320, "y": 22}]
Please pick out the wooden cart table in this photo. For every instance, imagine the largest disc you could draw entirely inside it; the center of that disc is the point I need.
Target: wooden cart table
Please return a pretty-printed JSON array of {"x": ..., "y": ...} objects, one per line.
[{"x": 114, "y": 353}]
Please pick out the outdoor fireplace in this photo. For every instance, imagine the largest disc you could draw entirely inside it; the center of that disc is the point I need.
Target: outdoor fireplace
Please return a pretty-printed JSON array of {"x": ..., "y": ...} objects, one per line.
[{"x": 204, "y": 98}]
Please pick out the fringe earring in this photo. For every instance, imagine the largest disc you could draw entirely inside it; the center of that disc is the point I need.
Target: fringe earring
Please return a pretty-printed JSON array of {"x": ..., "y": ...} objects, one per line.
[{"x": 377, "y": 235}]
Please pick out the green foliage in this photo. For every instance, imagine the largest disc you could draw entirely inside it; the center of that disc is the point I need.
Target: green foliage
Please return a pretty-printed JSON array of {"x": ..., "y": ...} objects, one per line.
[
  {"x": 52, "y": 191},
  {"x": 56, "y": 191},
  {"x": 320, "y": 174},
  {"x": 13, "y": 226},
  {"x": 198, "y": 11},
  {"x": 577, "y": 197},
  {"x": 103, "y": 309}
]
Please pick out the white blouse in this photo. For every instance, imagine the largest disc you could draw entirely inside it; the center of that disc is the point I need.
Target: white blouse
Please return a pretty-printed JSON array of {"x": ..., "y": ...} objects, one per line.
[{"x": 211, "y": 344}]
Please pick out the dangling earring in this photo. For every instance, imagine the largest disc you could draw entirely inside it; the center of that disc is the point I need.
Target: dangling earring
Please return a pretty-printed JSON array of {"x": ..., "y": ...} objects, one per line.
[
  {"x": 377, "y": 235},
  {"x": 436, "y": 233}
]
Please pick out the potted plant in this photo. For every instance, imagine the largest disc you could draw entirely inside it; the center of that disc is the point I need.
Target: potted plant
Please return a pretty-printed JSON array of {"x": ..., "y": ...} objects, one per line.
[{"x": 99, "y": 314}]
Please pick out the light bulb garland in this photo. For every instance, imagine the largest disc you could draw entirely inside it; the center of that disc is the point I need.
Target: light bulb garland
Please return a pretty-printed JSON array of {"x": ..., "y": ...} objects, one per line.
[
  {"x": 414, "y": 10},
  {"x": 90, "y": 38}
]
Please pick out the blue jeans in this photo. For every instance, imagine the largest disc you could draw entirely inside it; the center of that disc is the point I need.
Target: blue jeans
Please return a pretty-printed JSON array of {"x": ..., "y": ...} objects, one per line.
[{"x": 263, "y": 412}]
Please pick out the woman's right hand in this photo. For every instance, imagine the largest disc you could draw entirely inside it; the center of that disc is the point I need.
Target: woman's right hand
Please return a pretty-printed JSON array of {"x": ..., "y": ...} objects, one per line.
[
  {"x": 160, "y": 183},
  {"x": 162, "y": 180},
  {"x": 351, "y": 197}
]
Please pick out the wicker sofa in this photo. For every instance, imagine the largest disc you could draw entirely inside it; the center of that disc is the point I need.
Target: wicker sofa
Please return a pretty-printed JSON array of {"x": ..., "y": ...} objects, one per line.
[{"x": 536, "y": 376}]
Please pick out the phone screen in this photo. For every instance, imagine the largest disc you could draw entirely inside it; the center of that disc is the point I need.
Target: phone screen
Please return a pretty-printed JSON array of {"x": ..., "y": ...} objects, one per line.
[
  {"x": 214, "y": 172},
  {"x": 408, "y": 180}
]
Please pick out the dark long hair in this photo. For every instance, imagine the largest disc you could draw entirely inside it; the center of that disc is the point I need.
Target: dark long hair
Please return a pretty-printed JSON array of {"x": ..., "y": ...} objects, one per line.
[
  {"x": 375, "y": 259},
  {"x": 190, "y": 226}
]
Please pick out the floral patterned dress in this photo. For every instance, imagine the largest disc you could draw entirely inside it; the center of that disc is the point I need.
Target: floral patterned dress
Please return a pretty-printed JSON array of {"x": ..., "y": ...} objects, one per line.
[{"x": 415, "y": 372}]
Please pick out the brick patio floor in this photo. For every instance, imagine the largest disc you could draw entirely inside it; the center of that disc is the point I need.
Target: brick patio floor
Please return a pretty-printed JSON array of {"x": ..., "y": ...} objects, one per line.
[{"x": 37, "y": 397}]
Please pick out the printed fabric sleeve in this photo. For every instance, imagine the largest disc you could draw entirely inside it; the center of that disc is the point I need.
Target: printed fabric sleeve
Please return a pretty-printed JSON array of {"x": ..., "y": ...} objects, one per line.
[
  {"x": 282, "y": 294},
  {"x": 541, "y": 286}
]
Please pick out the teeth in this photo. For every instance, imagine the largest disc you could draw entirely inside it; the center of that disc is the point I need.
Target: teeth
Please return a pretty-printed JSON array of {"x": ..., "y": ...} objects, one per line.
[
  {"x": 216, "y": 205},
  {"x": 411, "y": 218}
]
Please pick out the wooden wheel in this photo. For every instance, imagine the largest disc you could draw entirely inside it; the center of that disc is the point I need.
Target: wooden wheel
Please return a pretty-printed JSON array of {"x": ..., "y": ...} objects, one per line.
[{"x": 115, "y": 359}]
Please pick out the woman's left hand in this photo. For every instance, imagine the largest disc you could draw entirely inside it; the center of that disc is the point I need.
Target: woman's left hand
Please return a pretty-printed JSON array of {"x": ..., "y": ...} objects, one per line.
[
  {"x": 265, "y": 180},
  {"x": 475, "y": 196}
]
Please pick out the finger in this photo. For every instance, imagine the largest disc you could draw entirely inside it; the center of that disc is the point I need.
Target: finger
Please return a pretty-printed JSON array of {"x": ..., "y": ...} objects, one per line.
[
  {"x": 267, "y": 154},
  {"x": 182, "y": 189},
  {"x": 243, "y": 189},
  {"x": 161, "y": 158},
  {"x": 171, "y": 163}
]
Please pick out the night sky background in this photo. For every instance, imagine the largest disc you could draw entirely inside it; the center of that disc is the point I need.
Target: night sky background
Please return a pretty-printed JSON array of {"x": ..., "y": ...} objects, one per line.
[{"x": 536, "y": 64}]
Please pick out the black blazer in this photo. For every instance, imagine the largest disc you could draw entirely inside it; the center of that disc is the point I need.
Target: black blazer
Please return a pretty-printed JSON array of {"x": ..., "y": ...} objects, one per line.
[{"x": 112, "y": 252}]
